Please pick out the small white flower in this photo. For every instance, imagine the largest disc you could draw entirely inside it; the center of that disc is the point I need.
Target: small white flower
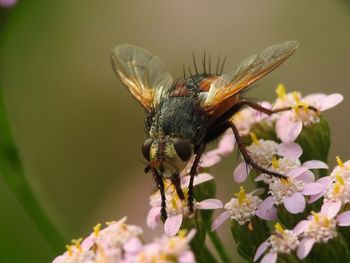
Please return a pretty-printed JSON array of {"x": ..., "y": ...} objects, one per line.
[
  {"x": 283, "y": 241},
  {"x": 241, "y": 209}
]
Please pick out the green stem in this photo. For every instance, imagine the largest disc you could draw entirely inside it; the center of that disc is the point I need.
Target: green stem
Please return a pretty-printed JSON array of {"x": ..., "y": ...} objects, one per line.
[
  {"x": 206, "y": 256},
  {"x": 224, "y": 256},
  {"x": 12, "y": 170}
]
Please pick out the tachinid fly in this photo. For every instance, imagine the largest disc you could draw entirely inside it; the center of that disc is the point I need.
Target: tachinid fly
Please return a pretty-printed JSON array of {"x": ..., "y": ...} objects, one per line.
[{"x": 182, "y": 117}]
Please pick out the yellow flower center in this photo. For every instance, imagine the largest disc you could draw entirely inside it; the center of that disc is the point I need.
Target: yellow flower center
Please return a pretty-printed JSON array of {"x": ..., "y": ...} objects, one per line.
[
  {"x": 242, "y": 196},
  {"x": 321, "y": 219}
]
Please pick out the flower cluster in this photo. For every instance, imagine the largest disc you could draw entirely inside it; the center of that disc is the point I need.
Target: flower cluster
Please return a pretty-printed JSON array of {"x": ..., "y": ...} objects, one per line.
[
  {"x": 120, "y": 242},
  {"x": 292, "y": 144}
]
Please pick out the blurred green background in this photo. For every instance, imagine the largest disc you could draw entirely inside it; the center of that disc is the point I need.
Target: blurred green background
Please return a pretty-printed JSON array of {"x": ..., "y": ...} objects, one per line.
[{"x": 78, "y": 129}]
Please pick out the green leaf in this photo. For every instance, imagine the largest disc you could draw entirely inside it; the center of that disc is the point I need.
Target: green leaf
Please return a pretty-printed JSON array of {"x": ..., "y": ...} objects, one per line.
[
  {"x": 334, "y": 251},
  {"x": 315, "y": 141},
  {"x": 249, "y": 236},
  {"x": 197, "y": 223}
]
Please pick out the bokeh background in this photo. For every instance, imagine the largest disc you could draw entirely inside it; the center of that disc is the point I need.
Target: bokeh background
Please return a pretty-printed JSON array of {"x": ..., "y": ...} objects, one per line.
[{"x": 78, "y": 129}]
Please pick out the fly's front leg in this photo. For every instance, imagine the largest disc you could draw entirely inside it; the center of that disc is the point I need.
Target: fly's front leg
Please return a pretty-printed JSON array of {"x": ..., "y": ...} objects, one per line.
[
  {"x": 160, "y": 184},
  {"x": 246, "y": 155},
  {"x": 193, "y": 172},
  {"x": 176, "y": 181}
]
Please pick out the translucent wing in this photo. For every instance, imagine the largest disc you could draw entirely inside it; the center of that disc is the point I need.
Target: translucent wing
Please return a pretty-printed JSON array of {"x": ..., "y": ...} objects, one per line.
[
  {"x": 249, "y": 71},
  {"x": 145, "y": 75}
]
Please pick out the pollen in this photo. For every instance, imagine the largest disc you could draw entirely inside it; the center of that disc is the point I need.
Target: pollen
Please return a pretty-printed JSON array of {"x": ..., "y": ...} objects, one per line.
[
  {"x": 339, "y": 179},
  {"x": 241, "y": 196},
  {"x": 76, "y": 243},
  {"x": 275, "y": 162},
  {"x": 339, "y": 161},
  {"x": 254, "y": 138},
  {"x": 296, "y": 97},
  {"x": 97, "y": 229},
  {"x": 69, "y": 250},
  {"x": 281, "y": 91},
  {"x": 279, "y": 228}
]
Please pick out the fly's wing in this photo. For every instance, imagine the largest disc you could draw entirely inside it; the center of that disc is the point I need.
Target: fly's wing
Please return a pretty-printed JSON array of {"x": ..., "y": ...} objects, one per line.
[
  {"x": 249, "y": 71},
  {"x": 144, "y": 74}
]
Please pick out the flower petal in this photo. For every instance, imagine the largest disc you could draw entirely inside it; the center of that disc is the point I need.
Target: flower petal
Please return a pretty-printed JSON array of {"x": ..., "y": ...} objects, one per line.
[
  {"x": 300, "y": 227},
  {"x": 210, "y": 159},
  {"x": 153, "y": 217},
  {"x": 172, "y": 225},
  {"x": 331, "y": 209},
  {"x": 269, "y": 258},
  {"x": 296, "y": 172},
  {"x": 305, "y": 247},
  {"x": 331, "y": 101},
  {"x": 315, "y": 164},
  {"x": 290, "y": 150},
  {"x": 266, "y": 209},
  {"x": 344, "y": 219},
  {"x": 227, "y": 143},
  {"x": 288, "y": 130},
  {"x": 186, "y": 257},
  {"x": 295, "y": 203},
  {"x": 133, "y": 245},
  {"x": 261, "y": 249},
  {"x": 200, "y": 178},
  {"x": 307, "y": 177},
  {"x": 210, "y": 204},
  {"x": 88, "y": 242},
  {"x": 220, "y": 220},
  {"x": 313, "y": 189},
  {"x": 241, "y": 172}
]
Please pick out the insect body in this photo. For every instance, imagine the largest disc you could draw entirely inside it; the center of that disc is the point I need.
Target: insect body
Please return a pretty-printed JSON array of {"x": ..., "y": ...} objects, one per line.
[{"x": 182, "y": 117}]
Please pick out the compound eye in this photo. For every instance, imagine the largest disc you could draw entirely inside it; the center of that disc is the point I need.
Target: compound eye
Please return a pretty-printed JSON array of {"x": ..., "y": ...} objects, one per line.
[
  {"x": 182, "y": 148},
  {"x": 146, "y": 148}
]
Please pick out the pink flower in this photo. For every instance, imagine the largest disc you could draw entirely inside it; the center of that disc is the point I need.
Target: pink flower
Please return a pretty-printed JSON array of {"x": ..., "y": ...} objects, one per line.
[
  {"x": 321, "y": 227},
  {"x": 177, "y": 209},
  {"x": 290, "y": 123},
  {"x": 290, "y": 191},
  {"x": 241, "y": 209},
  {"x": 281, "y": 242},
  {"x": 263, "y": 153}
]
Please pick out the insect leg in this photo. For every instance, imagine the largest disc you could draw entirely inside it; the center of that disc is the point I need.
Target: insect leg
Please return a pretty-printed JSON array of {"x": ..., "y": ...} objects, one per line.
[
  {"x": 260, "y": 108},
  {"x": 193, "y": 172},
  {"x": 176, "y": 181},
  {"x": 246, "y": 155},
  {"x": 160, "y": 184}
]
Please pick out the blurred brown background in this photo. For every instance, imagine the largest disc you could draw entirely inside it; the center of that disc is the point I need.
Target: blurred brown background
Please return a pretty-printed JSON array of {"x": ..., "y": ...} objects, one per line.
[{"x": 78, "y": 129}]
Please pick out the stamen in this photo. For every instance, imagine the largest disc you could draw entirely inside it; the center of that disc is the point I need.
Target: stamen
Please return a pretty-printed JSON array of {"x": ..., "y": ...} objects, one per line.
[
  {"x": 275, "y": 162},
  {"x": 241, "y": 196},
  {"x": 279, "y": 228},
  {"x": 254, "y": 138},
  {"x": 76, "y": 243},
  {"x": 339, "y": 161},
  {"x": 69, "y": 250},
  {"x": 339, "y": 179},
  {"x": 296, "y": 97},
  {"x": 97, "y": 229},
  {"x": 281, "y": 91}
]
